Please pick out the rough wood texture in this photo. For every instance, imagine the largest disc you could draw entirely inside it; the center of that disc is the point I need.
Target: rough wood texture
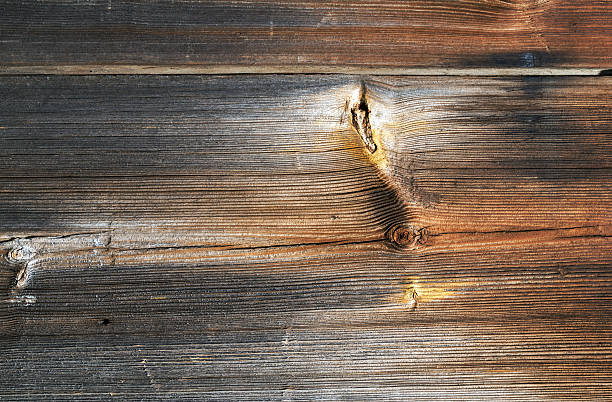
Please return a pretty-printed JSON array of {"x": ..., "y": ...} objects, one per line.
[
  {"x": 96, "y": 34},
  {"x": 237, "y": 238}
]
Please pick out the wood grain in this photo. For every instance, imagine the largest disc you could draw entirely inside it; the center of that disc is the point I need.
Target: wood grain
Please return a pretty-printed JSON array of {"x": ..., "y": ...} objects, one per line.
[
  {"x": 73, "y": 36},
  {"x": 232, "y": 237}
]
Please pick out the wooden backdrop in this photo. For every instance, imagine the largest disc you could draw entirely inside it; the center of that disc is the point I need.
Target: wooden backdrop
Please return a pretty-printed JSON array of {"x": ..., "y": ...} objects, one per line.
[{"x": 306, "y": 200}]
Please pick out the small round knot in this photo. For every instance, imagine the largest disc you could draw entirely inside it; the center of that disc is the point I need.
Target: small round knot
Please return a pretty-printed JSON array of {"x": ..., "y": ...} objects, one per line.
[
  {"x": 406, "y": 236},
  {"x": 19, "y": 254}
]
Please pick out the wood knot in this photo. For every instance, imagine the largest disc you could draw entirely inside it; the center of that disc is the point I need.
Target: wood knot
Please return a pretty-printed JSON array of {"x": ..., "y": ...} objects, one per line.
[
  {"x": 19, "y": 254},
  {"x": 406, "y": 236},
  {"x": 360, "y": 119}
]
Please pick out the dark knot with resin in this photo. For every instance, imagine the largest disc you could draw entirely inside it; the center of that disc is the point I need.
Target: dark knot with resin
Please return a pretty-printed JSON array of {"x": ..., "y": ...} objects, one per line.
[{"x": 406, "y": 236}]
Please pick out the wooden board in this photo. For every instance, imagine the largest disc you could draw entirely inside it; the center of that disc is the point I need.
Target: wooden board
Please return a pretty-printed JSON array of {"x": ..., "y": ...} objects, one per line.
[
  {"x": 73, "y": 36},
  {"x": 268, "y": 237}
]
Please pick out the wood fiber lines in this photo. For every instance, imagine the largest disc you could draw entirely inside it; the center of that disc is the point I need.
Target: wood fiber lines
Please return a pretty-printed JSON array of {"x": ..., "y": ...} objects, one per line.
[
  {"x": 235, "y": 237},
  {"x": 101, "y": 36}
]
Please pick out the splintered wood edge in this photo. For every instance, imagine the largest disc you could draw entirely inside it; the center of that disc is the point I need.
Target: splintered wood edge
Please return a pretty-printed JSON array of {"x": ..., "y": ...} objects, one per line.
[{"x": 283, "y": 69}]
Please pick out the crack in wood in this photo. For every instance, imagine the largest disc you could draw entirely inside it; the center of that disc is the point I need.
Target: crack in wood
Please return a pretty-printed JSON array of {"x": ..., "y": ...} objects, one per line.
[{"x": 360, "y": 119}]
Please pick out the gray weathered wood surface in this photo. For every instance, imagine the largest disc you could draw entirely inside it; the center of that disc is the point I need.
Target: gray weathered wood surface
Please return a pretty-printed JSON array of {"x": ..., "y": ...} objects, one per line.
[
  {"x": 308, "y": 35},
  {"x": 232, "y": 237}
]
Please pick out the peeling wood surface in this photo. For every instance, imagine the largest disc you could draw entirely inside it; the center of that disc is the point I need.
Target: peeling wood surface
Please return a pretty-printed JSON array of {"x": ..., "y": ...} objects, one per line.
[
  {"x": 138, "y": 35},
  {"x": 237, "y": 237}
]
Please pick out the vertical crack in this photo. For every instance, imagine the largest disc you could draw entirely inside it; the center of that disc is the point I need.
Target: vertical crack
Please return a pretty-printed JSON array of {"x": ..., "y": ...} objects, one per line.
[{"x": 360, "y": 119}]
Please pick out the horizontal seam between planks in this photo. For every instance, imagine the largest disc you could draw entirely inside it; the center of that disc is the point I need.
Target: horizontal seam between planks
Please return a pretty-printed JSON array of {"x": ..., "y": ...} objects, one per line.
[{"x": 281, "y": 69}]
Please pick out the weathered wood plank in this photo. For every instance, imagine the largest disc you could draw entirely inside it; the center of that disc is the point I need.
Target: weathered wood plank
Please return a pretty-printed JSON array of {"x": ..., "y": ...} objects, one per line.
[
  {"x": 530, "y": 322},
  {"x": 274, "y": 160},
  {"x": 133, "y": 36},
  {"x": 233, "y": 237}
]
